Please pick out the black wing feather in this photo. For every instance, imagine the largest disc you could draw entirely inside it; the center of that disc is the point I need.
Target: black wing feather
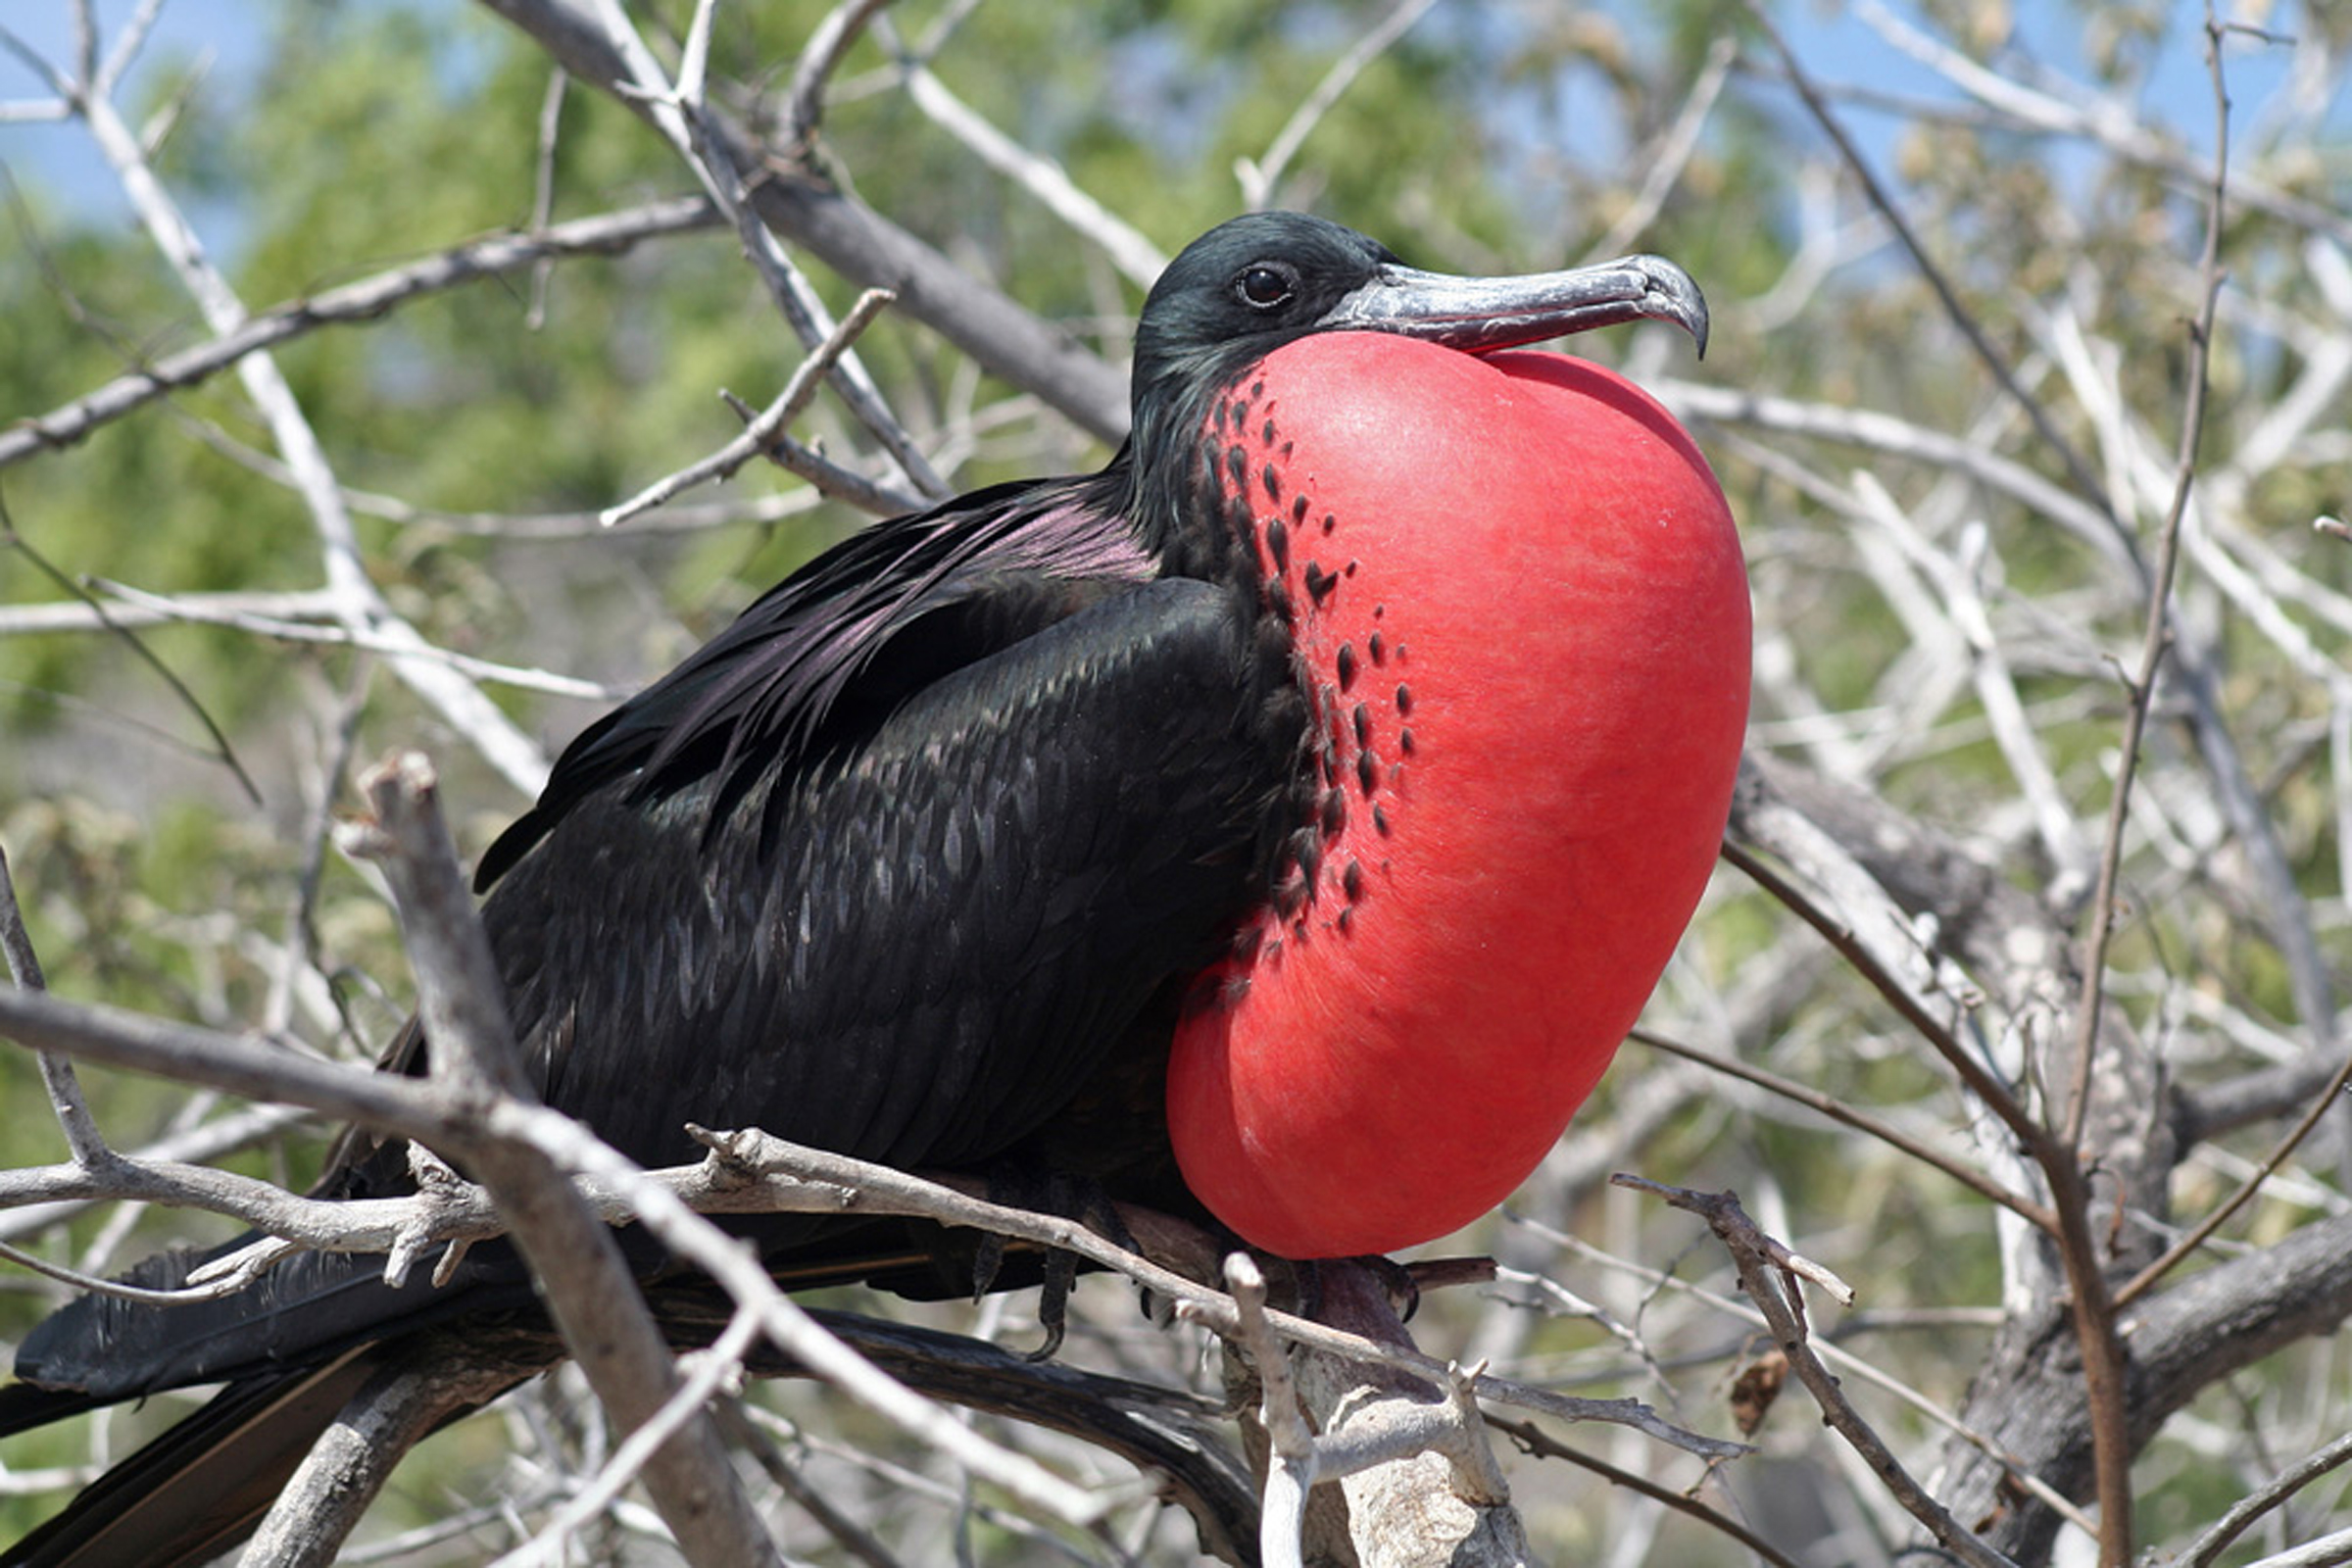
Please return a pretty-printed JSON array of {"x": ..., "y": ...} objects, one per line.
[{"x": 762, "y": 692}]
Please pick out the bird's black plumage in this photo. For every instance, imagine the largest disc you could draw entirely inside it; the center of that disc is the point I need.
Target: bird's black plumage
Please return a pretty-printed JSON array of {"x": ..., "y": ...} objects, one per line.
[{"x": 928, "y": 842}]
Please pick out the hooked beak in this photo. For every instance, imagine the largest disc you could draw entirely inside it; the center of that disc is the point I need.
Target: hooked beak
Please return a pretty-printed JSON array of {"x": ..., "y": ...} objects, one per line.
[{"x": 1482, "y": 314}]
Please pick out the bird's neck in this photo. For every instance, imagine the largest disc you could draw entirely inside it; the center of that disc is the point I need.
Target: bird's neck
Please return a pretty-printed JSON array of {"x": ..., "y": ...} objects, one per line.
[{"x": 1177, "y": 493}]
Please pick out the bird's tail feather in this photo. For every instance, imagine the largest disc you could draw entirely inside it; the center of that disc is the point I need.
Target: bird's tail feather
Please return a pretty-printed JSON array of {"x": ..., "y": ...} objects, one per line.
[
  {"x": 308, "y": 1309},
  {"x": 202, "y": 1486}
]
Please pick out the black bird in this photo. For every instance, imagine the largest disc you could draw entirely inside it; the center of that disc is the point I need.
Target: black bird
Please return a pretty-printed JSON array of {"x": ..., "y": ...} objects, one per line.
[{"x": 932, "y": 853}]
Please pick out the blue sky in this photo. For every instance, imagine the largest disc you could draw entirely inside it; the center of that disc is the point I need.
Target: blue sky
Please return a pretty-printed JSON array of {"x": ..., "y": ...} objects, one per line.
[{"x": 1837, "y": 46}]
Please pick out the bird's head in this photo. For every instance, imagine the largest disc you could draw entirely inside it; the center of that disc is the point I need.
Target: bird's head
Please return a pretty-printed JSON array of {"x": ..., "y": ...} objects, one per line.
[{"x": 1248, "y": 286}]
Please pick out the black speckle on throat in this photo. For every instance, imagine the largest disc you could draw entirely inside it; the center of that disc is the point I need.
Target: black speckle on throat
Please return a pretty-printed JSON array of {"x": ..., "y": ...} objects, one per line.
[
  {"x": 1307, "y": 849},
  {"x": 1290, "y": 897}
]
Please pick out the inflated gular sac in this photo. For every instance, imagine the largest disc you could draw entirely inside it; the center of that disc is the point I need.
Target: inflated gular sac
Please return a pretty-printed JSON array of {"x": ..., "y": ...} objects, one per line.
[{"x": 1520, "y": 608}]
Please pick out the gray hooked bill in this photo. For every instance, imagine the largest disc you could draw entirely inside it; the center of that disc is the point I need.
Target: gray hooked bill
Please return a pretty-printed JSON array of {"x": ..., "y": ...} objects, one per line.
[{"x": 1482, "y": 314}]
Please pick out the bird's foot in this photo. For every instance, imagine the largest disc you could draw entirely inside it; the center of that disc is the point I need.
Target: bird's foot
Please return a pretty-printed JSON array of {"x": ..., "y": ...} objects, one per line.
[
  {"x": 1063, "y": 1197},
  {"x": 1395, "y": 1279}
]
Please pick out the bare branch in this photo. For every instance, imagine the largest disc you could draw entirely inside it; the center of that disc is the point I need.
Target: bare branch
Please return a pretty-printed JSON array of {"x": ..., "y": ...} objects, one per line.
[
  {"x": 584, "y": 1280},
  {"x": 685, "y": 119},
  {"x": 472, "y": 715},
  {"x": 66, "y": 1098},
  {"x": 163, "y": 607},
  {"x": 127, "y": 44},
  {"x": 1955, "y": 308},
  {"x": 1129, "y": 250},
  {"x": 368, "y": 300},
  {"x": 394, "y": 1406},
  {"x": 2252, "y": 1507},
  {"x": 870, "y": 251}
]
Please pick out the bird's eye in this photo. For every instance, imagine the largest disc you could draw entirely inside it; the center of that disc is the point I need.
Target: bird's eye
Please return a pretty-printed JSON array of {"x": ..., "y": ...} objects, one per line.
[{"x": 1263, "y": 287}]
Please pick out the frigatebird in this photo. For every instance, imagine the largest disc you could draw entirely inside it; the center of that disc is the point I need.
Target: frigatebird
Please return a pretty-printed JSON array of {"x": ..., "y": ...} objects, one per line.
[{"x": 1346, "y": 755}]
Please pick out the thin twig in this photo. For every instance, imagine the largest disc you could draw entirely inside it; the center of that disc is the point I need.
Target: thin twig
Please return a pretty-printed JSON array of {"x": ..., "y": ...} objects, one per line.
[
  {"x": 543, "y": 193},
  {"x": 861, "y": 245},
  {"x": 2329, "y": 1098},
  {"x": 548, "y": 527},
  {"x": 1763, "y": 1266},
  {"x": 2157, "y": 638},
  {"x": 1837, "y": 1111},
  {"x": 2094, "y": 1312},
  {"x": 761, "y": 431},
  {"x": 1665, "y": 160},
  {"x": 713, "y": 1370},
  {"x": 1851, "y": 1365},
  {"x": 222, "y": 748},
  {"x": 684, "y": 116},
  {"x": 820, "y": 57},
  {"x": 816, "y": 1502},
  {"x": 1259, "y": 175},
  {"x": 1291, "y": 1463},
  {"x": 127, "y": 44},
  {"x": 2215, "y": 1540},
  {"x": 1542, "y": 1445},
  {"x": 1882, "y": 976},
  {"x": 200, "y": 610}
]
